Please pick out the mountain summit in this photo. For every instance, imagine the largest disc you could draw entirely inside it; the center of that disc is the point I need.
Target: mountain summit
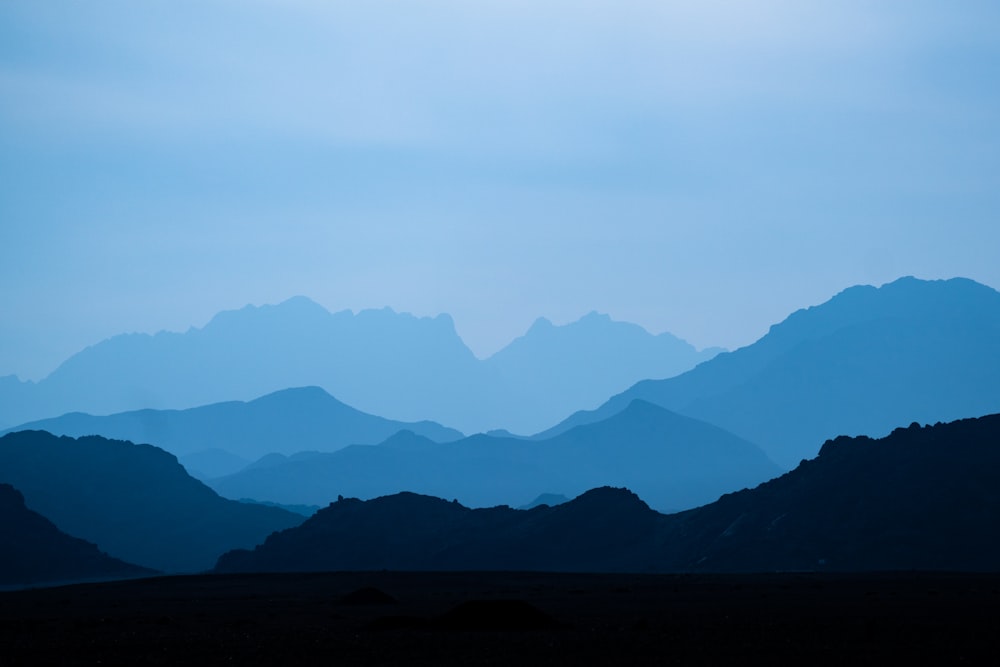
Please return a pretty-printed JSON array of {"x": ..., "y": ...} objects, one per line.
[
  {"x": 861, "y": 363},
  {"x": 564, "y": 368},
  {"x": 285, "y": 422}
]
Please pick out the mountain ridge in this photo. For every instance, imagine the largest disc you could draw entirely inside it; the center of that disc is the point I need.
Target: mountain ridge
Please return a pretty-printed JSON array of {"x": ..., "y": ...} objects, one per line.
[
  {"x": 284, "y": 422},
  {"x": 675, "y": 461},
  {"x": 865, "y": 360},
  {"x": 391, "y": 364}
]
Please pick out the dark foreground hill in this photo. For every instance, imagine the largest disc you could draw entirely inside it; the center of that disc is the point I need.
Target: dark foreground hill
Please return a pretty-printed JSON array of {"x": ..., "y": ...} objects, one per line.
[
  {"x": 135, "y": 502},
  {"x": 672, "y": 461},
  {"x": 921, "y": 498},
  {"x": 285, "y": 422},
  {"x": 864, "y": 362},
  {"x": 604, "y": 529},
  {"x": 33, "y": 550}
]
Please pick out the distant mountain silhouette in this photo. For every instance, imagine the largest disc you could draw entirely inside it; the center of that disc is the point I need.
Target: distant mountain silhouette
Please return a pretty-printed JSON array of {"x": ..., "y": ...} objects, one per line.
[
  {"x": 384, "y": 363},
  {"x": 224, "y": 437},
  {"x": 135, "y": 502},
  {"x": 563, "y": 368},
  {"x": 552, "y": 499},
  {"x": 34, "y": 551},
  {"x": 303, "y": 510},
  {"x": 861, "y": 363},
  {"x": 922, "y": 498},
  {"x": 673, "y": 461}
]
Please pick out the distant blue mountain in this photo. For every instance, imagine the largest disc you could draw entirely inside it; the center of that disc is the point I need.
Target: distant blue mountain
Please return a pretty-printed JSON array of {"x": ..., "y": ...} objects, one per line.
[
  {"x": 385, "y": 363},
  {"x": 923, "y": 498},
  {"x": 866, "y": 360},
  {"x": 135, "y": 502},
  {"x": 224, "y": 437},
  {"x": 551, "y": 499},
  {"x": 560, "y": 369},
  {"x": 673, "y": 461}
]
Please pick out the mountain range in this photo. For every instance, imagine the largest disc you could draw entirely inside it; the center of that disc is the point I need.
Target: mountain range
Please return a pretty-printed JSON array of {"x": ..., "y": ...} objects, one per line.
[
  {"x": 385, "y": 363},
  {"x": 921, "y": 498},
  {"x": 135, "y": 502},
  {"x": 222, "y": 438},
  {"x": 675, "y": 462},
  {"x": 861, "y": 363}
]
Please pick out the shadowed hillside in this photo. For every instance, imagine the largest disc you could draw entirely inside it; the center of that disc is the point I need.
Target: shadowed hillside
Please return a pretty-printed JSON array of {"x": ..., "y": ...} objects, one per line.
[
  {"x": 919, "y": 499},
  {"x": 33, "y": 550},
  {"x": 135, "y": 502},
  {"x": 604, "y": 529},
  {"x": 862, "y": 363}
]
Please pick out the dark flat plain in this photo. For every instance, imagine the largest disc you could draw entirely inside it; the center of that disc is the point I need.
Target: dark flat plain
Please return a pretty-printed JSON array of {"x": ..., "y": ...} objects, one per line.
[{"x": 612, "y": 619}]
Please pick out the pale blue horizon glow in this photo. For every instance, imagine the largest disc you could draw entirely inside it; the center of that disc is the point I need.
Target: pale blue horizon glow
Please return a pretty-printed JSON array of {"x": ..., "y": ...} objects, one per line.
[{"x": 703, "y": 168}]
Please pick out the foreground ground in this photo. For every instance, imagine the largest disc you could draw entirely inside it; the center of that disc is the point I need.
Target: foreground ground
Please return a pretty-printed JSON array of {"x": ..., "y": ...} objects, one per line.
[{"x": 505, "y": 618}]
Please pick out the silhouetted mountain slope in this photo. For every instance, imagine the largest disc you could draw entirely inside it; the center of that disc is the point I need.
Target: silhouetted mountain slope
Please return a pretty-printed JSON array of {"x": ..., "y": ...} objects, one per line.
[
  {"x": 134, "y": 501},
  {"x": 33, "y": 550},
  {"x": 674, "y": 461},
  {"x": 921, "y": 498},
  {"x": 605, "y": 529},
  {"x": 863, "y": 362},
  {"x": 384, "y": 363},
  {"x": 285, "y": 422},
  {"x": 563, "y": 368}
]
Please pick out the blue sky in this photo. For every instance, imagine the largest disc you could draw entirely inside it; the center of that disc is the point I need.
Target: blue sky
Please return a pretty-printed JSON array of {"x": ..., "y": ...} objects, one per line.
[{"x": 702, "y": 167}]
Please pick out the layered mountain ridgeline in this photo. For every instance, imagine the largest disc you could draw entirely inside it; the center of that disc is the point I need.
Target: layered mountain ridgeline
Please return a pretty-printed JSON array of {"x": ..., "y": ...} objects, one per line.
[
  {"x": 865, "y": 361},
  {"x": 921, "y": 498},
  {"x": 135, "y": 502},
  {"x": 559, "y": 369},
  {"x": 34, "y": 551},
  {"x": 220, "y": 439},
  {"x": 674, "y": 462},
  {"x": 384, "y": 363}
]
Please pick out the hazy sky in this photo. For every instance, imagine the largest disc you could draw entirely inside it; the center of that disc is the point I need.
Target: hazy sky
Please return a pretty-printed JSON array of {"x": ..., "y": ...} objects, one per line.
[{"x": 699, "y": 167}]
